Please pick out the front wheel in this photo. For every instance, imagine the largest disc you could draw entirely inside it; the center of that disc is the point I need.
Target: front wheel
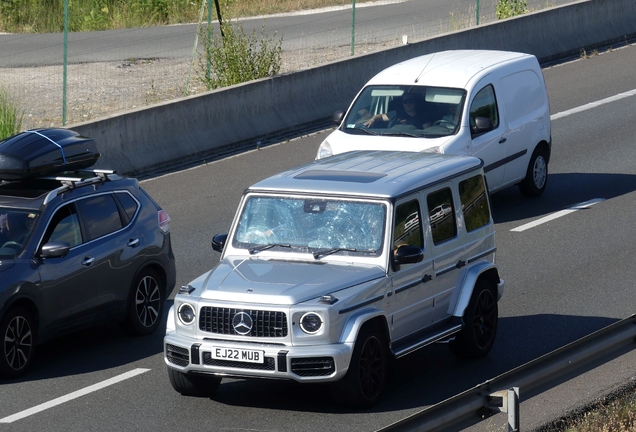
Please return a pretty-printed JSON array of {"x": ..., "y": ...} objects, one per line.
[
  {"x": 193, "y": 385},
  {"x": 536, "y": 178},
  {"x": 145, "y": 307},
  {"x": 17, "y": 331},
  {"x": 477, "y": 337},
  {"x": 364, "y": 382}
]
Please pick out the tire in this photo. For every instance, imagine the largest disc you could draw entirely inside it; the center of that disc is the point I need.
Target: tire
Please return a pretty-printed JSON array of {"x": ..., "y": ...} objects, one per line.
[
  {"x": 145, "y": 308},
  {"x": 193, "y": 385},
  {"x": 364, "y": 382},
  {"x": 17, "y": 331},
  {"x": 536, "y": 176},
  {"x": 477, "y": 337}
]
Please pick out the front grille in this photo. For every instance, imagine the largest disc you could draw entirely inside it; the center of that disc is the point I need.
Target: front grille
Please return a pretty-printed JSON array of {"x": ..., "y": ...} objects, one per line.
[
  {"x": 265, "y": 323},
  {"x": 308, "y": 367},
  {"x": 177, "y": 355},
  {"x": 268, "y": 365}
]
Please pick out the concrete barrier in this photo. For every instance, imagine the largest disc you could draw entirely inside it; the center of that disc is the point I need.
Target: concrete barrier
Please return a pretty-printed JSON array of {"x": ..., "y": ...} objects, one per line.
[{"x": 197, "y": 127}]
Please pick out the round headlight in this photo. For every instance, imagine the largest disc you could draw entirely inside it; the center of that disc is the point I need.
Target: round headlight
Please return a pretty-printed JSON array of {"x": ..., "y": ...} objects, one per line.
[
  {"x": 311, "y": 323},
  {"x": 186, "y": 314}
]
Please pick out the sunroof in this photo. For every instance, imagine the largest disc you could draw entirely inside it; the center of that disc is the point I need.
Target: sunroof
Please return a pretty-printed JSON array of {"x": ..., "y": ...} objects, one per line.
[
  {"x": 28, "y": 189},
  {"x": 342, "y": 176}
]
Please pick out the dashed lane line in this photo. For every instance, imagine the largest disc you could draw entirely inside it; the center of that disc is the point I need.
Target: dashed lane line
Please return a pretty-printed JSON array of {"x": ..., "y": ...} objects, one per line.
[
  {"x": 74, "y": 395},
  {"x": 581, "y": 206}
]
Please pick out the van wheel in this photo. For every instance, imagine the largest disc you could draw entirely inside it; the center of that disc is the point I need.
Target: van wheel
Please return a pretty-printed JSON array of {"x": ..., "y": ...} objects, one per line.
[
  {"x": 193, "y": 385},
  {"x": 477, "y": 337},
  {"x": 145, "y": 308},
  {"x": 17, "y": 333},
  {"x": 537, "y": 175},
  {"x": 364, "y": 382}
]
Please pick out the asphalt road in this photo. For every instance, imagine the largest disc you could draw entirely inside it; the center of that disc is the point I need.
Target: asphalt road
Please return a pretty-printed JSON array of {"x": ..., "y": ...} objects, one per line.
[
  {"x": 564, "y": 279},
  {"x": 385, "y": 22}
]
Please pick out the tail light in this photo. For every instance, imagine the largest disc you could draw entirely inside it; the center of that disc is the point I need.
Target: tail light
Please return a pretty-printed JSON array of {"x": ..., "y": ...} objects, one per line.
[{"x": 164, "y": 221}]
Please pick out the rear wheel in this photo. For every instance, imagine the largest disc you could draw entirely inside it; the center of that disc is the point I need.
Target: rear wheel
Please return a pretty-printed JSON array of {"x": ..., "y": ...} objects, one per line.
[
  {"x": 17, "y": 331},
  {"x": 193, "y": 385},
  {"x": 477, "y": 337},
  {"x": 364, "y": 382},
  {"x": 145, "y": 309},
  {"x": 536, "y": 178}
]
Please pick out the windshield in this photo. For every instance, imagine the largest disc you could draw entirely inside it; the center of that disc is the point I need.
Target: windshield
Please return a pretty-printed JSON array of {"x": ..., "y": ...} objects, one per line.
[
  {"x": 314, "y": 225},
  {"x": 415, "y": 111},
  {"x": 15, "y": 229}
]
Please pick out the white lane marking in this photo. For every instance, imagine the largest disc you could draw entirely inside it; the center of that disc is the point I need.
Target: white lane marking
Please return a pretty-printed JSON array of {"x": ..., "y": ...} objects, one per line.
[
  {"x": 583, "y": 205},
  {"x": 74, "y": 395},
  {"x": 593, "y": 104}
]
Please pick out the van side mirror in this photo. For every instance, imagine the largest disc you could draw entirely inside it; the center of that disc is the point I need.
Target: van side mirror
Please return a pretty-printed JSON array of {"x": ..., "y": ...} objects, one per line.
[
  {"x": 218, "y": 242},
  {"x": 336, "y": 117},
  {"x": 482, "y": 125}
]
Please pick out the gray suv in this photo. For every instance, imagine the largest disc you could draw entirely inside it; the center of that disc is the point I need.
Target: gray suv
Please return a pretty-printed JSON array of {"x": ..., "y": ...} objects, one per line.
[
  {"x": 76, "y": 247},
  {"x": 333, "y": 268}
]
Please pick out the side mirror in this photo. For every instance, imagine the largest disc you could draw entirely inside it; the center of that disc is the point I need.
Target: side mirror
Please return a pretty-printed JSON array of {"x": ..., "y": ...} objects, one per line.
[
  {"x": 407, "y": 254},
  {"x": 336, "y": 117},
  {"x": 55, "y": 249},
  {"x": 218, "y": 242},
  {"x": 482, "y": 125}
]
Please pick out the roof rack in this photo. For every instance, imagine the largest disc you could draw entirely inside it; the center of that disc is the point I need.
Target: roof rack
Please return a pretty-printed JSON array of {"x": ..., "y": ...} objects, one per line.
[{"x": 69, "y": 183}]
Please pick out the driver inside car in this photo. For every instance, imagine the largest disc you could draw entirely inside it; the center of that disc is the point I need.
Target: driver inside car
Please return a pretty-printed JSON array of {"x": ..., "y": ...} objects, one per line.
[{"x": 411, "y": 114}]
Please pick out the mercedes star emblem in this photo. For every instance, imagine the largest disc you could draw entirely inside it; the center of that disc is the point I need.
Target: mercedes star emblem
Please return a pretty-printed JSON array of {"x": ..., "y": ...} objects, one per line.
[{"x": 242, "y": 323}]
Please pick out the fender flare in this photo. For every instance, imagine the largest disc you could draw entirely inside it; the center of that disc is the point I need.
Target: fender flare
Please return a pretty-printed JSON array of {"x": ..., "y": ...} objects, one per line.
[
  {"x": 486, "y": 268},
  {"x": 355, "y": 322}
]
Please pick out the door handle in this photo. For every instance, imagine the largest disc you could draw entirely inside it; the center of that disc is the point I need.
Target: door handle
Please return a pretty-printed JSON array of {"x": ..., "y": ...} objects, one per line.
[
  {"x": 426, "y": 278},
  {"x": 88, "y": 261},
  {"x": 503, "y": 140},
  {"x": 460, "y": 264},
  {"x": 133, "y": 243}
]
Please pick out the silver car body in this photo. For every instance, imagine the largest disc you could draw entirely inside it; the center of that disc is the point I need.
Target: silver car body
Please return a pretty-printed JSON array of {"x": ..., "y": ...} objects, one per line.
[{"x": 271, "y": 290}]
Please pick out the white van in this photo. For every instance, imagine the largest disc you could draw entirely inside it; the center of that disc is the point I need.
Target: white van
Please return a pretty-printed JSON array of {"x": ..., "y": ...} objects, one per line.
[{"x": 489, "y": 104}]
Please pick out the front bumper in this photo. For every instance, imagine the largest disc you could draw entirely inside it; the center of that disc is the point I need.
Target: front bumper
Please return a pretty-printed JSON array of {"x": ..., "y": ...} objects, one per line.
[{"x": 321, "y": 363}]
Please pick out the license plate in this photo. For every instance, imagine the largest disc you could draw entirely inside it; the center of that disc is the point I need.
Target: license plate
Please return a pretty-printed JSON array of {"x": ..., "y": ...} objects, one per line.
[{"x": 239, "y": 355}]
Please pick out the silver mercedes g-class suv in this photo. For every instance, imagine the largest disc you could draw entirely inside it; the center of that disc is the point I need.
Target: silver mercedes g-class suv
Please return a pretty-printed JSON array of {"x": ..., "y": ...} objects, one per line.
[{"x": 332, "y": 268}]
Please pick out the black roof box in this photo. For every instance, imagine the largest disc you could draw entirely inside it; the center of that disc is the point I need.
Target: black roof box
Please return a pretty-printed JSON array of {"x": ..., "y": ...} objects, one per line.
[{"x": 43, "y": 152}]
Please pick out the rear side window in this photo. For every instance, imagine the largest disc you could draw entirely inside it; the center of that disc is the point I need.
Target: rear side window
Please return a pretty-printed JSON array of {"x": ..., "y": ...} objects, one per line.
[
  {"x": 485, "y": 105},
  {"x": 472, "y": 193},
  {"x": 441, "y": 214},
  {"x": 128, "y": 203},
  {"x": 100, "y": 215}
]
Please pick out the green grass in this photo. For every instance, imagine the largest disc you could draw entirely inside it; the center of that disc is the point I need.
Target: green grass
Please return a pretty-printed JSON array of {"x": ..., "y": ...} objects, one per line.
[
  {"x": 47, "y": 16},
  {"x": 10, "y": 114}
]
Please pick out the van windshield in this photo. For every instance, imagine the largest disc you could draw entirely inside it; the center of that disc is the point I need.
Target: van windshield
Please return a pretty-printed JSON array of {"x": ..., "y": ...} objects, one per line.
[{"x": 416, "y": 111}]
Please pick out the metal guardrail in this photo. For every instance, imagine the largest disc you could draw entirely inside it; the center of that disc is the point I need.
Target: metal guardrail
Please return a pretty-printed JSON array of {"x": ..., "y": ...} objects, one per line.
[{"x": 489, "y": 396}]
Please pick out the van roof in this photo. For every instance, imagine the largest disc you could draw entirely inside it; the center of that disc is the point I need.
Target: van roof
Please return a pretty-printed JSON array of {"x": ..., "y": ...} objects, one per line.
[
  {"x": 384, "y": 174},
  {"x": 453, "y": 68}
]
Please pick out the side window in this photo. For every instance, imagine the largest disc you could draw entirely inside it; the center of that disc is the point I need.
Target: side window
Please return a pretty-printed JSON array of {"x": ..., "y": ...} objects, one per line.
[
  {"x": 484, "y": 105},
  {"x": 100, "y": 215},
  {"x": 408, "y": 225},
  {"x": 441, "y": 215},
  {"x": 128, "y": 203},
  {"x": 64, "y": 227},
  {"x": 472, "y": 193}
]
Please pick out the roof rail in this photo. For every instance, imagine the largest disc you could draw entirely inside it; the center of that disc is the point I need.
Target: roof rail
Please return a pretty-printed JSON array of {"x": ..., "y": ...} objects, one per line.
[{"x": 69, "y": 183}]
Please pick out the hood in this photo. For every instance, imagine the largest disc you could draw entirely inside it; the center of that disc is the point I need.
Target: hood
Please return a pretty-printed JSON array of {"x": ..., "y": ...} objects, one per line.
[
  {"x": 255, "y": 280},
  {"x": 6, "y": 264},
  {"x": 342, "y": 142}
]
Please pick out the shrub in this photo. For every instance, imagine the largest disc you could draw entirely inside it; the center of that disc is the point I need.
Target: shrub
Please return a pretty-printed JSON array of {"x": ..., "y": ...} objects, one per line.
[
  {"x": 237, "y": 57},
  {"x": 10, "y": 115},
  {"x": 510, "y": 8}
]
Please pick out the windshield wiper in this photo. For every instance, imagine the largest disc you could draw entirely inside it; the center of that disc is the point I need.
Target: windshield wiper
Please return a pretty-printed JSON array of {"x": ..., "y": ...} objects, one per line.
[
  {"x": 365, "y": 129},
  {"x": 325, "y": 252},
  {"x": 261, "y": 248},
  {"x": 403, "y": 134}
]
